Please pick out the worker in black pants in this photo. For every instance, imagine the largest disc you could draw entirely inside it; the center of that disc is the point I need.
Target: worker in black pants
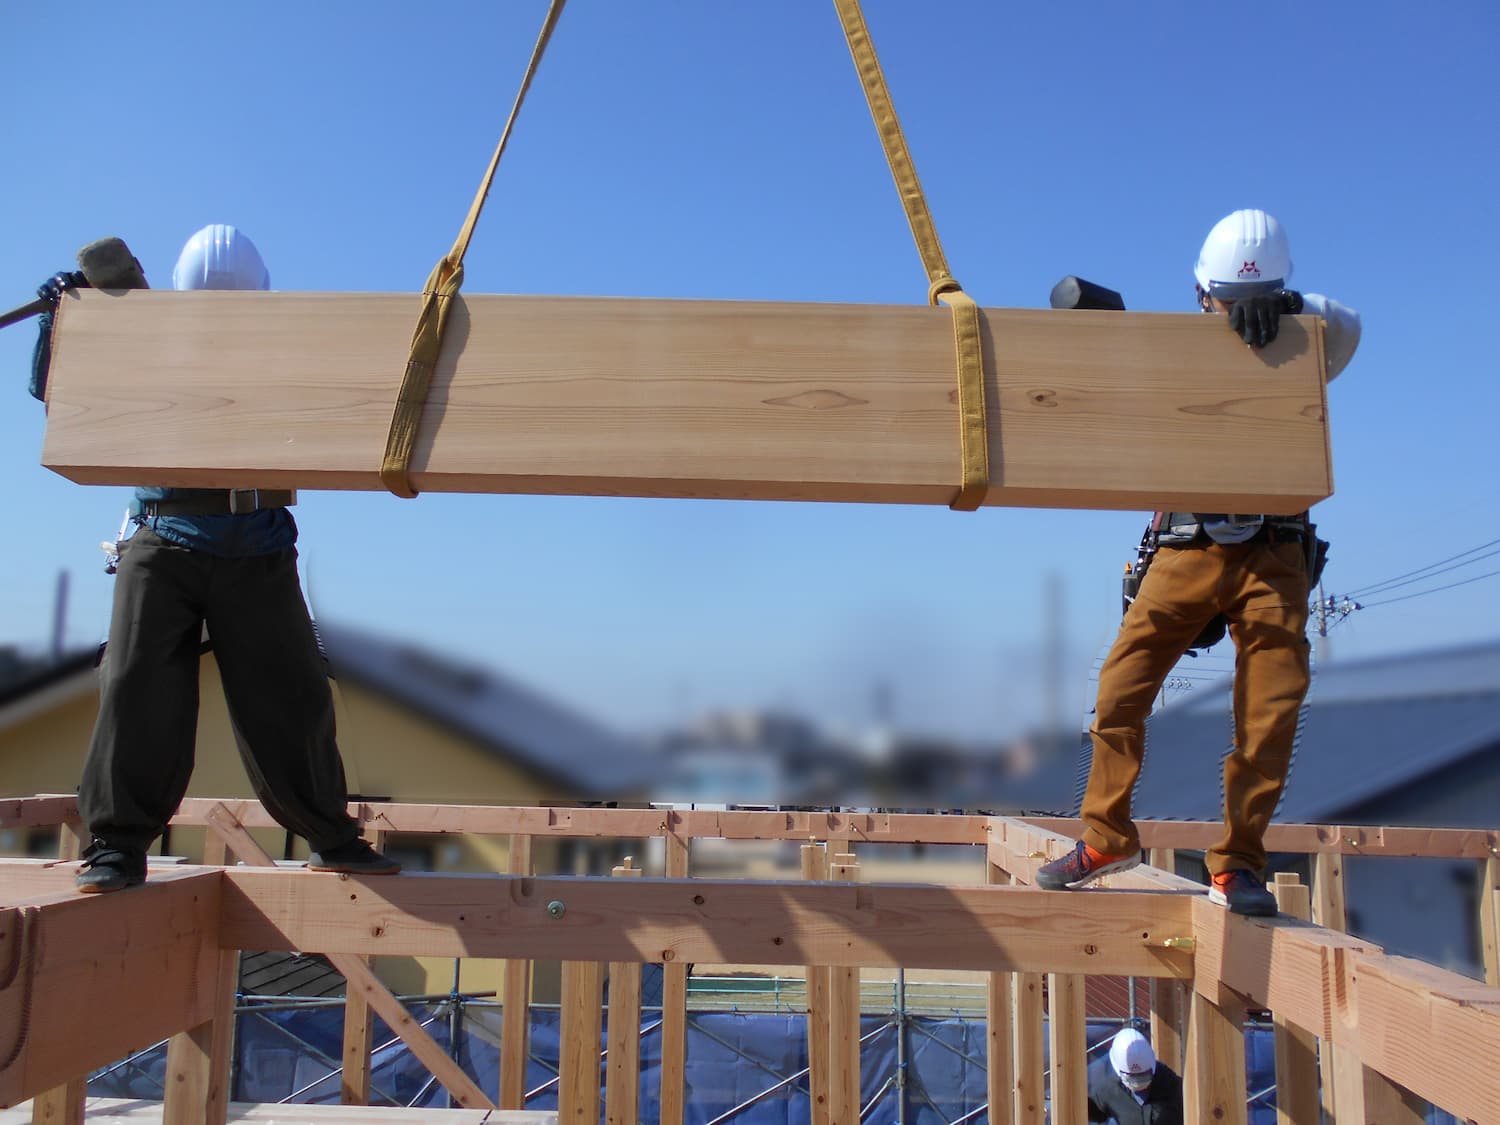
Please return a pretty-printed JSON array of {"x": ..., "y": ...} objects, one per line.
[{"x": 225, "y": 560}]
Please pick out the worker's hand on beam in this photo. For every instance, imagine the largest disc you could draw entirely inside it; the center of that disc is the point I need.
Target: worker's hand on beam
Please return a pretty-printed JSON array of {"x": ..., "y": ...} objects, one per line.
[
  {"x": 59, "y": 283},
  {"x": 1257, "y": 319}
]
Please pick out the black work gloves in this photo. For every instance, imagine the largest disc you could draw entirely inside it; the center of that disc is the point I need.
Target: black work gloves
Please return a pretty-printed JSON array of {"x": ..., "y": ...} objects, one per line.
[
  {"x": 59, "y": 283},
  {"x": 1255, "y": 319}
]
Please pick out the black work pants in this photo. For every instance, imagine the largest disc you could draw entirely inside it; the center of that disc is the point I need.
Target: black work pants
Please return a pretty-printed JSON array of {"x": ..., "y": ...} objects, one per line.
[{"x": 141, "y": 757}]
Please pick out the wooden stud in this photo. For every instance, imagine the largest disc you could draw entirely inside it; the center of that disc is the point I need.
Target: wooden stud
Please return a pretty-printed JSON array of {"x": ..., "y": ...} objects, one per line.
[
  {"x": 999, "y": 1040},
  {"x": 843, "y": 1021},
  {"x": 1031, "y": 1066},
  {"x": 198, "y": 1059},
  {"x": 673, "y": 1000},
  {"x": 1168, "y": 997},
  {"x": 1296, "y": 1049},
  {"x": 727, "y": 399},
  {"x": 578, "y": 1069},
  {"x": 1489, "y": 918},
  {"x": 815, "y": 868},
  {"x": 1213, "y": 1085},
  {"x": 1329, "y": 912},
  {"x": 515, "y": 1019},
  {"x": 623, "y": 1085},
  {"x": 359, "y": 1026},
  {"x": 64, "y": 1105},
  {"x": 1067, "y": 1035}
]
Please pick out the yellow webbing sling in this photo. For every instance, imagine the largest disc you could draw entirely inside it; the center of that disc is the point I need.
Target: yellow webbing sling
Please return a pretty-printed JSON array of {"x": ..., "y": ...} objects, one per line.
[
  {"x": 968, "y": 342},
  {"x": 442, "y": 286}
]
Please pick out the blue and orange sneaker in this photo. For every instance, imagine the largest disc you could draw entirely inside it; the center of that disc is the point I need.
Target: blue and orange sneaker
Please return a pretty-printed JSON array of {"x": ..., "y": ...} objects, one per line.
[
  {"x": 1082, "y": 865},
  {"x": 1243, "y": 892}
]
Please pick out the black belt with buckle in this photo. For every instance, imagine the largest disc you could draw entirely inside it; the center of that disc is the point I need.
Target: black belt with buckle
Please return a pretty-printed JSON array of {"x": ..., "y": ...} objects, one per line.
[{"x": 229, "y": 502}]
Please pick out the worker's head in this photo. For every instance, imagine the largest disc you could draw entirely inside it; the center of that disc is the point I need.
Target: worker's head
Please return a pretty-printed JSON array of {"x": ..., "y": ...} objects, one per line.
[
  {"x": 1132, "y": 1058},
  {"x": 220, "y": 257},
  {"x": 1245, "y": 255}
]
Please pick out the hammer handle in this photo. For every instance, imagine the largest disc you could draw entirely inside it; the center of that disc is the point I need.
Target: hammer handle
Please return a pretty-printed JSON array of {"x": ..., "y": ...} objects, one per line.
[{"x": 38, "y": 306}]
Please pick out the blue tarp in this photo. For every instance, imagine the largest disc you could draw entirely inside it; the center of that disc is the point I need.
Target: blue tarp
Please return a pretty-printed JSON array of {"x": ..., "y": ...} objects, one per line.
[{"x": 734, "y": 1059}]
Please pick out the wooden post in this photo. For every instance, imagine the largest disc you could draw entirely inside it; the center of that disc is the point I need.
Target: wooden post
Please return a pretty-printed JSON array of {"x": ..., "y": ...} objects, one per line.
[
  {"x": 1296, "y": 1049},
  {"x": 197, "y": 1080},
  {"x": 1489, "y": 918},
  {"x": 1067, "y": 1035},
  {"x": 63, "y": 1105},
  {"x": 999, "y": 1042},
  {"x": 1168, "y": 997},
  {"x": 515, "y": 1025},
  {"x": 1329, "y": 912},
  {"x": 843, "y": 1023},
  {"x": 623, "y": 1086},
  {"x": 359, "y": 1025},
  {"x": 578, "y": 1070},
  {"x": 1030, "y": 1069},
  {"x": 1213, "y": 1086},
  {"x": 815, "y": 867},
  {"x": 674, "y": 1003}
]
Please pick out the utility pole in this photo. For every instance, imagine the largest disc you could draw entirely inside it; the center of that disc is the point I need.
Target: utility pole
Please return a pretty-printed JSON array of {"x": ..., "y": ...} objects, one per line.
[{"x": 1322, "y": 627}]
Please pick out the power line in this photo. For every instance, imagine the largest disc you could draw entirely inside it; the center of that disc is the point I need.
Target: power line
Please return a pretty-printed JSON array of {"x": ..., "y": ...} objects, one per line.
[
  {"x": 1434, "y": 590},
  {"x": 1427, "y": 571}
]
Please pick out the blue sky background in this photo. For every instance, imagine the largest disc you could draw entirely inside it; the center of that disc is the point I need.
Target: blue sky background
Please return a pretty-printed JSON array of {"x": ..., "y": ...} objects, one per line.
[{"x": 724, "y": 150}]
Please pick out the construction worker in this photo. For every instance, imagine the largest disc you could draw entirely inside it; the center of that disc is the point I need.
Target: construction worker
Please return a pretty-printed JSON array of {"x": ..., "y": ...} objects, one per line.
[
  {"x": 1131, "y": 1087},
  {"x": 1255, "y": 571},
  {"x": 225, "y": 560}
]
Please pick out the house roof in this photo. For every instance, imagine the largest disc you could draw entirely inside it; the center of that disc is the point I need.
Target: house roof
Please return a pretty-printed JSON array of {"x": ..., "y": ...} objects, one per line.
[
  {"x": 1369, "y": 727},
  {"x": 493, "y": 710}
]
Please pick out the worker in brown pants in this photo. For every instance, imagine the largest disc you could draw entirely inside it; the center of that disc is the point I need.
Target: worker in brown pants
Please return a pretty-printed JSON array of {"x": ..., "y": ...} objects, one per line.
[{"x": 1254, "y": 571}]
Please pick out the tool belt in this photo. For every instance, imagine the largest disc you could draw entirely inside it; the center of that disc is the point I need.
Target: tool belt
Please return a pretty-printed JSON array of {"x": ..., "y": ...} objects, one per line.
[{"x": 228, "y": 502}]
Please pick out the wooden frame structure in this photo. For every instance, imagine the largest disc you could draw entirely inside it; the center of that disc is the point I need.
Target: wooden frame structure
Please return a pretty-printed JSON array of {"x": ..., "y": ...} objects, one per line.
[{"x": 1391, "y": 1030}]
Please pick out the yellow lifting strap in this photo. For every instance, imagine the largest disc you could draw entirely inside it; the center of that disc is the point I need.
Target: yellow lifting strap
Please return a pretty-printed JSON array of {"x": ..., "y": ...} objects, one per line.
[
  {"x": 437, "y": 296},
  {"x": 968, "y": 341}
]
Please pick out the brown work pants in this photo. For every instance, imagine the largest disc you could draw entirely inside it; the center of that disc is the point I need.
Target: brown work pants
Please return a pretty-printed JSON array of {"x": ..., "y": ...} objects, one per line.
[{"x": 1261, "y": 587}]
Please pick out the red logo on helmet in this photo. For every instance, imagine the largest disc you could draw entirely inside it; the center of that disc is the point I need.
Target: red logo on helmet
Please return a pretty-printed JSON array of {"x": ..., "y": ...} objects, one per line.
[{"x": 1249, "y": 269}]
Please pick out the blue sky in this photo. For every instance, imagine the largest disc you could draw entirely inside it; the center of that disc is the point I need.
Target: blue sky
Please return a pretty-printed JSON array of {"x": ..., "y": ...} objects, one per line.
[{"x": 724, "y": 150}]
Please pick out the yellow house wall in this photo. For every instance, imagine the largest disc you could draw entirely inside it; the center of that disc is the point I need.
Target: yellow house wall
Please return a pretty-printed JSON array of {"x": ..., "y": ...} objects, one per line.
[{"x": 390, "y": 752}]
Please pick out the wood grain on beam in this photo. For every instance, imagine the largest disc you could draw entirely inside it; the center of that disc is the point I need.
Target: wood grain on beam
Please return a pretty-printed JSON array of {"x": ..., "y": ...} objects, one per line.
[
  {"x": 725, "y": 399},
  {"x": 152, "y": 973},
  {"x": 709, "y": 920}
]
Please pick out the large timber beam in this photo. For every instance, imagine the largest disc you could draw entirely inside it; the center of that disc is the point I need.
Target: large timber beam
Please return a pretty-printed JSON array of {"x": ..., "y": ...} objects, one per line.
[
  {"x": 722, "y": 399},
  {"x": 708, "y": 920}
]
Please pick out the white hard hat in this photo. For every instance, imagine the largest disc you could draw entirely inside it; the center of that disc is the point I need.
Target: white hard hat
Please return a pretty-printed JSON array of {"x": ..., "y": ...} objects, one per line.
[
  {"x": 1246, "y": 254},
  {"x": 1131, "y": 1056},
  {"x": 220, "y": 257}
]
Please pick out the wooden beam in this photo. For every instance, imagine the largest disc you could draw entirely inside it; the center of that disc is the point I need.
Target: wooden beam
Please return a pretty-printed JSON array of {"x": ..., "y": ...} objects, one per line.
[
  {"x": 711, "y": 920},
  {"x": 145, "y": 953},
  {"x": 1329, "y": 911},
  {"x": 1287, "y": 966},
  {"x": 1489, "y": 917},
  {"x": 1424, "y": 1028},
  {"x": 63, "y": 1106},
  {"x": 726, "y": 399},
  {"x": 359, "y": 1023}
]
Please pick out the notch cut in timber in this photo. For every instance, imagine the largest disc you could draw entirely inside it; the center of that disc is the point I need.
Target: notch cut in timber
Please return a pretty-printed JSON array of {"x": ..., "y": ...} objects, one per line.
[{"x": 711, "y": 399}]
